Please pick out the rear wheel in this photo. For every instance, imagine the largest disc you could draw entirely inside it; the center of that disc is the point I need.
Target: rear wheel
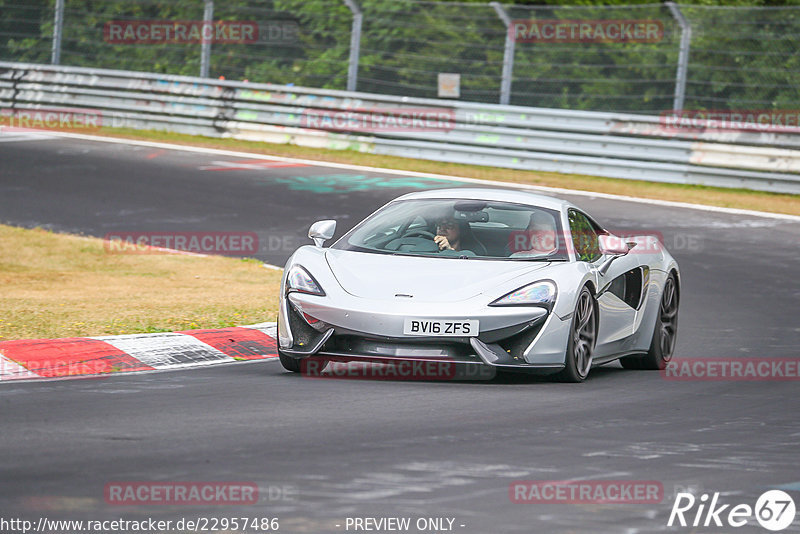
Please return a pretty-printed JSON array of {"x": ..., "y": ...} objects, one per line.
[
  {"x": 582, "y": 339},
  {"x": 665, "y": 332}
]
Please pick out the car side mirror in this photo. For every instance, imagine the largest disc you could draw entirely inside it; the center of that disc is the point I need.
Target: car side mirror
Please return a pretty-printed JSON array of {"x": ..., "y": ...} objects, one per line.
[
  {"x": 614, "y": 247},
  {"x": 321, "y": 231}
]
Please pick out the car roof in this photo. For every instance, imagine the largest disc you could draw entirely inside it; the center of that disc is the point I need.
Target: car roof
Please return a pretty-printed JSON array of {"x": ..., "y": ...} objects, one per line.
[{"x": 486, "y": 193}]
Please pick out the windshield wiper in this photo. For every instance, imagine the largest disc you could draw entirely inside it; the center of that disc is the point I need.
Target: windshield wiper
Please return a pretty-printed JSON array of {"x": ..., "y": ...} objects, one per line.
[{"x": 536, "y": 259}]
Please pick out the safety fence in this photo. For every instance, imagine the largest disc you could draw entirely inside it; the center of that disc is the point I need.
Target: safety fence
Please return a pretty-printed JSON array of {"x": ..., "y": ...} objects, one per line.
[
  {"x": 638, "y": 58},
  {"x": 724, "y": 150}
]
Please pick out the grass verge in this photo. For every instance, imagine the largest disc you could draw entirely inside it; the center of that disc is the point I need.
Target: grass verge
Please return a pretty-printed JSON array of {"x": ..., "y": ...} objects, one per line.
[
  {"x": 696, "y": 194},
  {"x": 57, "y": 285}
]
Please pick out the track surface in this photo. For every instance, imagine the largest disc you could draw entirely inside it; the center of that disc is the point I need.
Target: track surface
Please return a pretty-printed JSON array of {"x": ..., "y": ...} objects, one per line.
[{"x": 376, "y": 448}]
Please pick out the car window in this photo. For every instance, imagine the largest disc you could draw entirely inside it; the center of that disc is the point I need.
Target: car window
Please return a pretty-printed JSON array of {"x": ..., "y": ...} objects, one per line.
[
  {"x": 517, "y": 219},
  {"x": 584, "y": 237},
  {"x": 472, "y": 228}
]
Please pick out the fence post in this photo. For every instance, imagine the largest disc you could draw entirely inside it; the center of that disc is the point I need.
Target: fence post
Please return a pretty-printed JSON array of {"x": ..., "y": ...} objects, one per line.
[
  {"x": 205, "y": 50},
  {"x": 508, "y": 54},
  {"x": 683, "y": 56},
  {"x": 355, "y": 45},
  {"x": 58, "y": 27}
]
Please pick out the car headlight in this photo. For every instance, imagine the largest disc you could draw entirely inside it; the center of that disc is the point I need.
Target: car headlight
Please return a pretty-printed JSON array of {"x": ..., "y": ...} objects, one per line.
[
  {"x": 298, "y": 279},
  {"x": 541, "y": 293}
]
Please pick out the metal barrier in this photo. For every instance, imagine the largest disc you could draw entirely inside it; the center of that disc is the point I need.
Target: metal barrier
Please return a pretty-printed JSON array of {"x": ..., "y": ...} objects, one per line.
[
  {"x": 699, "y": 57},
  {"x": 595, "y": 143}
]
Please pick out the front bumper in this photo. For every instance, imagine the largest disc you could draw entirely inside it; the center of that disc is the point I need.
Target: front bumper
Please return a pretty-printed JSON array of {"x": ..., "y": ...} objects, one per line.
[{"x": 525, "y": 337}]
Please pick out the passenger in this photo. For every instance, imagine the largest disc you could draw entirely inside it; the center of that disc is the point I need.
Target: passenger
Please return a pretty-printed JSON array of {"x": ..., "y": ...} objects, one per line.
[{"x": 540, "y": 236}]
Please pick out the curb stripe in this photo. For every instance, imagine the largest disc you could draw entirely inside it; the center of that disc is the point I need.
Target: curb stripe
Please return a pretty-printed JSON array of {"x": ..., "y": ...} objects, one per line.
[
  {"x": 11, "y": 370},
  {"x": 69, "y": 357},
  {"x": 270, "y": 329},
  {"x": 238, "y": 343},
  {"x": 168, "y": 350},
  {"x": 102, "y": 355}
]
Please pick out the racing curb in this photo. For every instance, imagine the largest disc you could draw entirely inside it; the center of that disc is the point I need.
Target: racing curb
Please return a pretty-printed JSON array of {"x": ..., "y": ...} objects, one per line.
[{"x": 28, "y": 359}]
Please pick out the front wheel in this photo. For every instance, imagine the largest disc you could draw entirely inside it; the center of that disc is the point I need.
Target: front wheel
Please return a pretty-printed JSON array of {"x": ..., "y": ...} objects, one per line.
[
  {"x": 295, "y": 365},
  {"x": 582, "y": 339},
  {"x": 665, "y": 332}
]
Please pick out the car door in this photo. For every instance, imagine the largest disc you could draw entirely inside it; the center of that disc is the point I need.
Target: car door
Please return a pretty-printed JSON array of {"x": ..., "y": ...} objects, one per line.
[{"x": 619, "y": 288}]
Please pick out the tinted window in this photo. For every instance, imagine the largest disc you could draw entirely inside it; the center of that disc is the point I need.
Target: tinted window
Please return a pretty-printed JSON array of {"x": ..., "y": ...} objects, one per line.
[
  {"x": 460, "y": 228},
  {"x": 584, "y": 237}
]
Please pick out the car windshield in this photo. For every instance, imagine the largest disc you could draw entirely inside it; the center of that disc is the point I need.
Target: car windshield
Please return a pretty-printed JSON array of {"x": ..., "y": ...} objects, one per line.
[{"x": 460, "y": 229}]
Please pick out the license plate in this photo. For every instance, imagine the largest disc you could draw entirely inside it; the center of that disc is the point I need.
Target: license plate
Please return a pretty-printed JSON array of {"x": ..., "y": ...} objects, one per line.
[{"x": 437, "y": 327}]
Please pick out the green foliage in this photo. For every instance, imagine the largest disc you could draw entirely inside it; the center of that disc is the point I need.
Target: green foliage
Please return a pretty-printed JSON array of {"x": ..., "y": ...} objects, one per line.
[{"x": 743, "y": 58}]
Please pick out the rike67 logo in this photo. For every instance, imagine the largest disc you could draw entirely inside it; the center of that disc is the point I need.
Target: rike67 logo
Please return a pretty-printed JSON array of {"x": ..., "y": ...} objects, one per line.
[{"x": 774, "y": 510}]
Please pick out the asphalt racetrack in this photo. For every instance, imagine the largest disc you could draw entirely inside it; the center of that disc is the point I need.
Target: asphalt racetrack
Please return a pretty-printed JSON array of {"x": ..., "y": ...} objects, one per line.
[{"x": 322, "y": 451}]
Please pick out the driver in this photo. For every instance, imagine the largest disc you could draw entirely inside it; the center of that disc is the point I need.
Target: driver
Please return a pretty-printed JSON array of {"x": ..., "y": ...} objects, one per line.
[{"x": 448, "y": 234}]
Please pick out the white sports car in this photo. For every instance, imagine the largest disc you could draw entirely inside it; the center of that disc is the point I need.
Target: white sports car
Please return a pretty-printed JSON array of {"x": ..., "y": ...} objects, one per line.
[{"x": 510, "y": 279}]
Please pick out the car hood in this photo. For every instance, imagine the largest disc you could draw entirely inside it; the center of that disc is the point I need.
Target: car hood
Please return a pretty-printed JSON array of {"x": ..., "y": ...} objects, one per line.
[{"x": 384, "y": 276}]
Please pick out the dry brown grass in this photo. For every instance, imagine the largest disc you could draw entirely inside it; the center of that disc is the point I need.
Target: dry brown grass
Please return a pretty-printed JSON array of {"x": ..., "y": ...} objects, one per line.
[
  {"x": 56, "y": 285},
  {"x": 713, "y": 196}
]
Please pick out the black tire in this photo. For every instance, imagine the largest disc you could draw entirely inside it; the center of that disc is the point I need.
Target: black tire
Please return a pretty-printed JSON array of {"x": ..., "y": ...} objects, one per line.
[
  {"x": 665, "y": 332},
  {"x": 582, "y": 340},
  {"x": 633, "y": 363},
  {"x": 296, "y": 365},
  {"x": 289, "y": 363}
]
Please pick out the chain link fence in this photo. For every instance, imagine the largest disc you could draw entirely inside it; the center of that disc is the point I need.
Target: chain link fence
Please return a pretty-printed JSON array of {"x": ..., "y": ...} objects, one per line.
[{"x": 566, "y": 57}]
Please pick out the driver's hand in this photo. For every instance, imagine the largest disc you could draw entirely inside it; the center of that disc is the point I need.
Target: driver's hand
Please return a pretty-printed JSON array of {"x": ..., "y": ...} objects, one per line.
[{"x": 443, "y": 243}]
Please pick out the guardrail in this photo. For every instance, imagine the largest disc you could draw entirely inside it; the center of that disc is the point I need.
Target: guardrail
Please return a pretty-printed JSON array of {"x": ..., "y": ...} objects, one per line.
[{"x": 595, "y": 143}]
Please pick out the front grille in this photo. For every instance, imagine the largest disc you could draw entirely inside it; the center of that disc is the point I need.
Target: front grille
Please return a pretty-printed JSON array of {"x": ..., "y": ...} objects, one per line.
[{"x": 365, "y": 346}]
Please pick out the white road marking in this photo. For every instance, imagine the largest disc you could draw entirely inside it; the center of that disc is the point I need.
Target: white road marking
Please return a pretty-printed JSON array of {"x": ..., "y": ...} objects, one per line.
[
  {"x": 168, "y": 350},
  {"x": 16, "y": 138},
  {"x": 11, "y": 370},
  {"x": 13, "y": 135},
  {"x": 667, "y": 203},
  {"x": 270, "y": 329}
]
